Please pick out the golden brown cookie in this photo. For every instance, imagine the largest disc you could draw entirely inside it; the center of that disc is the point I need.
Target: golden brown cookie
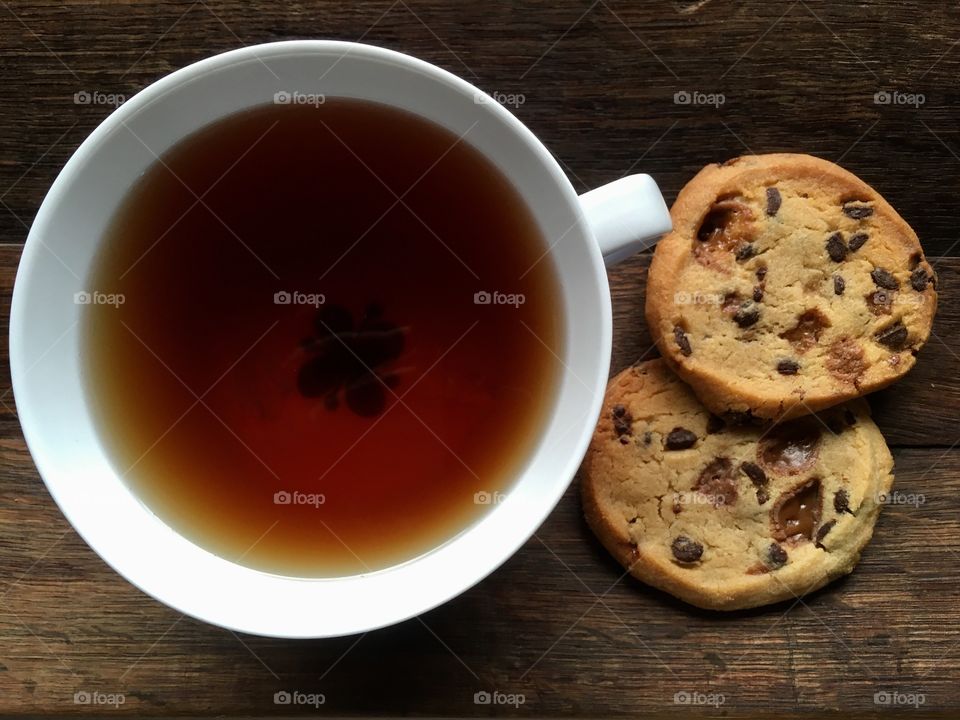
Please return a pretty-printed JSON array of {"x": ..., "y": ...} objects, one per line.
[
  {"x": 787, "y": 285},
  {"x": 725, "y": 516}
]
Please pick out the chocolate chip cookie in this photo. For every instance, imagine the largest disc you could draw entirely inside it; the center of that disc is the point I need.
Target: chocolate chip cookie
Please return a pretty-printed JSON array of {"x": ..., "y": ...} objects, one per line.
[
  {"x": 787, "y": 285},
  {"x": 730, "y": 516}
]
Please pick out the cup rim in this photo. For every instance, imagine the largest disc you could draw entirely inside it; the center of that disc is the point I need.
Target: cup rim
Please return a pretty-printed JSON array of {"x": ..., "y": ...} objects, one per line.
[{"x": 33, "y": 432}]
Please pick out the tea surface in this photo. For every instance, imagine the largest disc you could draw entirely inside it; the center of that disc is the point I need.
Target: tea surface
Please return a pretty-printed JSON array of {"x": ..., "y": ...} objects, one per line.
[{"x": 337, "y": 339}]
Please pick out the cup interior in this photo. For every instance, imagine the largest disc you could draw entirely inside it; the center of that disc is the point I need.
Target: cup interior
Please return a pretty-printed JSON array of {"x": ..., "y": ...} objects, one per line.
[{"x": 48, "y": 377}]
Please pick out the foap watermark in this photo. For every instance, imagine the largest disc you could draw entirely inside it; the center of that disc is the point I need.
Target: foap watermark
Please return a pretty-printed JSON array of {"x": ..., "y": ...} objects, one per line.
[
  {"x": 295, "y": 97},
  {"x": 513, "y": 100},
  {"x": 682, "y": 297},
  {"x": 896, "y": 698},
  {"x": 295, "y": 697},
  {"x": 95, "y": 297},
  {"x": 496, "y": 697},
  {"x": 883, "y": 298},
  {"x": 695, "y": 97},
  {"x": 95, "y": 97},
  {"x": 692, "y": 697},
  {"x": 699, "y": 498},
  {"x": 484, "y": 497},
  {"x": 295, "y": 497},
  {"x": 95, "y": 697},
  {"x": 896, "y": 497},
  {"x": 895, "y": 97},
  {"x": 498, "y": 298},
  {"x": 283, "y": 297}
]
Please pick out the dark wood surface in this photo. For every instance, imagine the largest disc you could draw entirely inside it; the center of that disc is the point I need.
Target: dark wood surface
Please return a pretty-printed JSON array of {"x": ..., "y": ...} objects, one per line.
[{"x": 557, "y": 623}]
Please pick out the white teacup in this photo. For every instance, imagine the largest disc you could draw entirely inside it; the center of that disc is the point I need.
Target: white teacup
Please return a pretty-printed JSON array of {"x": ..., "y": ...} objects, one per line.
[{"x": 606, "y": 224}]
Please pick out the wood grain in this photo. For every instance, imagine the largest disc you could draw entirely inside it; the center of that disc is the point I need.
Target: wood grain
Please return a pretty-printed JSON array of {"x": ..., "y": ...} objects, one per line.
[{"x": 557, "y": 623}]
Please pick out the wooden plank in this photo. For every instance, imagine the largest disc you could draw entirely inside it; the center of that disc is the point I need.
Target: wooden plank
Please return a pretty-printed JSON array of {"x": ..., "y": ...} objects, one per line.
[{"x": 535, "y": 627}]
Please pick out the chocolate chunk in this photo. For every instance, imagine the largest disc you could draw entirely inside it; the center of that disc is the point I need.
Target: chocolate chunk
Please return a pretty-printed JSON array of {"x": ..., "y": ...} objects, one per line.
[
  {"x": 894, "y": 337},
  {"x": 715, "y": 424},
  {"x": 806, "y": 333},
  {"x": 680, "y": 439},
  {"x": 836, "y": 248},
  {"x": 773, "y": 201},
  {"x": 761, "y": 273},
  {"x": 776, "y": 556},
  {"x": 686, "y": 550},
  {"x": 746, "y": 316},
  {"x": 622, "y": 421},
  {"x": 841, "y": 502},
  {"x": 822, "y": 532},
  {"x": 845, "y": 360},
  {"x": 857, "y": 241},
  {"x": 753, "y": 471},
  {"x": 717, "y": 482},
  {"x": 745, "y": 252},
  {"x": 839, "y": 285},
  {"x": 919, "y": 279},
  {"x": 762, "y": 496},
  {"x": 757, "y": 293},
  {"x": 683, "y": 342},
  {"x": 797, "y": 513},
  {"x": 725, "y": 227},
  {"x": 857, "y": 212},
  {"x": 884, "y": 279},
  {"x": 790, "y": 449},
  {"x": 788, "y": 367}
]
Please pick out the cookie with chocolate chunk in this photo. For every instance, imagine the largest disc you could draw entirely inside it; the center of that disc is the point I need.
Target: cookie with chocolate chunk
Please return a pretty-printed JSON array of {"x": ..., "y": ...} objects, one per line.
[
  {"x": 729, "y": 516},
  {"x": 787, "y": 285}
]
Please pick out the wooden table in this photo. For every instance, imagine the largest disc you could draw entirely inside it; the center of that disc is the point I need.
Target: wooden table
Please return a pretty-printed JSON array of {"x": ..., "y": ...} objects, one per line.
[{"x": 599, "y": 81}]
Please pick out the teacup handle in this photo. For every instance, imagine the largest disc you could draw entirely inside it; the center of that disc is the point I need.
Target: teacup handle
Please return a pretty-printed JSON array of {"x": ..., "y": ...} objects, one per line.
[{"x": 626, "y": 216}]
